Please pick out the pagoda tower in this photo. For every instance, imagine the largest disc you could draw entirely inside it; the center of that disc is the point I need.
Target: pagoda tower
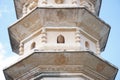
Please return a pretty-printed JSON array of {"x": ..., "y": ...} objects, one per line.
[{"x": 59, "y": 40}]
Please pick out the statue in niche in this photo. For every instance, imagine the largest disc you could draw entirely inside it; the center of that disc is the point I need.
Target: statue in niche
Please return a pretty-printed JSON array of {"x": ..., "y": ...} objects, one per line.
[
  {"x": 60, "y": 39},
  {"x": 59, "y": 1}
]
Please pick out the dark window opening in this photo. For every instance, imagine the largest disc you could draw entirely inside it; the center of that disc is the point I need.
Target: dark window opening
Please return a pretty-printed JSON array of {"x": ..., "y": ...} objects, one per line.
[
  {"x": 60, "y": 39},
  {"x": 87, "y": 45},
  {"x": 33, "y": 45}
]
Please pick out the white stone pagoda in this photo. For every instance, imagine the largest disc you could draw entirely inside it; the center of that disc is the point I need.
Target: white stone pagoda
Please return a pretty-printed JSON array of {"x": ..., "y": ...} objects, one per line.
[{"x": 59, "y": 40}]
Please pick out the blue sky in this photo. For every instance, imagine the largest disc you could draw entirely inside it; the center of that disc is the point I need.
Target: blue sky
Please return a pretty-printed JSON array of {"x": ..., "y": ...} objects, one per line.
[{"x": 109, "y": 13}]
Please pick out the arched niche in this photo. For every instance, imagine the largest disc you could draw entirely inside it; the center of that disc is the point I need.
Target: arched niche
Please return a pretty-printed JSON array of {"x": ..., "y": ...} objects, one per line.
[
  {"x": 33, "y": 45},
  {"x": 60, "y": 39}
]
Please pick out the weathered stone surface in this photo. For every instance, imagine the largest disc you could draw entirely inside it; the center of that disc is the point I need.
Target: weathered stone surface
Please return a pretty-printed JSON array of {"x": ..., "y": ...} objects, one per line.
[
  {"x": 69, "y": 62},
  {"x": 54, "y": 17},
  {"x": 59, "y": 38},
  {"x": 24, "y": 7}
]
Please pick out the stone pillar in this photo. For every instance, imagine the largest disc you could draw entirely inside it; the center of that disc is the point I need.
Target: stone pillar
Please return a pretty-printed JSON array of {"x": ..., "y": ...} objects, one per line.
[
  {"x": 78, "y": 39},
  {"x": 98, "y": 47},
  {"x": 24, "y": 11},
  {"x": 21, "y": 48},
  {"x": 44, "y": 36},
  {"x": 77, "y": 36}
]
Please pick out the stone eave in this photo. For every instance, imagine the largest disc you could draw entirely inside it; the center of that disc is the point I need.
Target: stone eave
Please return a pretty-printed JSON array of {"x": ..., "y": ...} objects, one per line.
[
  {"x": 102, "y": 43},
  {"x": 18, "y": 9},
  {"x": 19, "y": 5},
  {"x": 100, "y": 30},
  {"x": 100, "y": 7},
  {"x": 15, "y": 43},
  {"x": 83, "y": 59}
]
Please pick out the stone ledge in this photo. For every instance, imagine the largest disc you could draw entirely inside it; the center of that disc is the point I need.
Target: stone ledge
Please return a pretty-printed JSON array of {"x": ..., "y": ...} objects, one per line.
[
  {"x": 58, "y": 17},
  {"x": 78, "y": 62}
]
